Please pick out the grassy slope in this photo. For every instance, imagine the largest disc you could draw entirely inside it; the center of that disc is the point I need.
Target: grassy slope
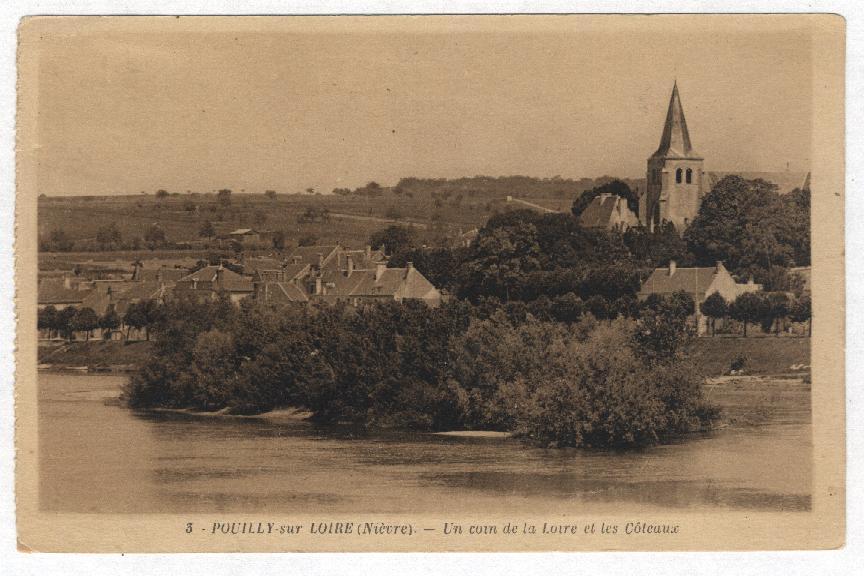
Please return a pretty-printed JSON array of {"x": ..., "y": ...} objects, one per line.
[
  {"x": 94, "y": 353},
  {"x": 766, "y": 355}
]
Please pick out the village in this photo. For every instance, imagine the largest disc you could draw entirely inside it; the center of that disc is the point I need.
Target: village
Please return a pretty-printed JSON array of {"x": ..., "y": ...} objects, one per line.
[{"x": 112, "y": 299}]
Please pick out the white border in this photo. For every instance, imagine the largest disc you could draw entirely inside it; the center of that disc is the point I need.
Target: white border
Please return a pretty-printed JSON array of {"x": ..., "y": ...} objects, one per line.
[{"x": 787, "y": 563}]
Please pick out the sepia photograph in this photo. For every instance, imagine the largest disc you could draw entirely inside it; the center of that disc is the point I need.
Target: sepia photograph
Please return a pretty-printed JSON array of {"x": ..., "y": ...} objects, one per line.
[{"x": 451, "y": 283}]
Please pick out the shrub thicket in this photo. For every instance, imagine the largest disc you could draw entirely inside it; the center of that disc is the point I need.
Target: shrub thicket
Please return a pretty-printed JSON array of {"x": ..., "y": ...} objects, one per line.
[{"x": 576, "y": 383}]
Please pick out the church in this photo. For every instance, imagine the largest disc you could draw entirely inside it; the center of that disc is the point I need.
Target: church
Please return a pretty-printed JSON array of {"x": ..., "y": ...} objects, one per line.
[{"x": 675, "y": 182}]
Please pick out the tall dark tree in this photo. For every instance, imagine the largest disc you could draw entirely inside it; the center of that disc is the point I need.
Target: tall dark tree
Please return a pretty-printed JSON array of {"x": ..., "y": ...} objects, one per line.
[
  {"x": 85, "y": 320},
  {"x": 746, "y": 224},
  {"x": 801, "y": 311},
  {"x": 747, "y": 308},
  {"x": 394, "y": 239},
  {"x": 109, "y": 322},
  {"x": 714, "y": 307}
]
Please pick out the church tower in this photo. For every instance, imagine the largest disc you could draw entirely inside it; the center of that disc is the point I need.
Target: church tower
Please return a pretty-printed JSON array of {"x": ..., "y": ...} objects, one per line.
[{"x": 674, "y": 188}]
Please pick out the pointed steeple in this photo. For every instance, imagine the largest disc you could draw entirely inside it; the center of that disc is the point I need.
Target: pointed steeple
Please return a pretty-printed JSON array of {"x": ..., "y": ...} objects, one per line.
[{"x": 675, "y": 142}]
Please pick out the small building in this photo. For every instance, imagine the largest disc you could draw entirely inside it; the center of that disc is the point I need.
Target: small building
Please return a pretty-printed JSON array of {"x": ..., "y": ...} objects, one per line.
[
  {"x": 245, "y": 236},
  {"x": 62, "y": 292},
  {"x": 210, "y": 281},
  {"x": 376, "y": 285},
  {"x": 698, "y": 282},
  {"x": 608, "y": 211}
]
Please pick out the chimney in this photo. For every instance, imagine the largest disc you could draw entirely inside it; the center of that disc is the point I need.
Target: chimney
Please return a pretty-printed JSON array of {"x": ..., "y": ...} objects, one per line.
[
  {"x": 67, "y": 282},
  {"x": 350, "y": 264},
  {"x": 672, "y": 267},
  {"x": 368, "y": 252},
  {"x": 318, "y": 286},
  {"x": 320, "y": 260},
  {"x": 720, "y": 266},
  {"x": 379, "y": 270},
  {"x": 410, "y": 265}
]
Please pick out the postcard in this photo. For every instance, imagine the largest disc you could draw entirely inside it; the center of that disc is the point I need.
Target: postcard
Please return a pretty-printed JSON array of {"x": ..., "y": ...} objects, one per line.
[{"x": 430, "y": 283}]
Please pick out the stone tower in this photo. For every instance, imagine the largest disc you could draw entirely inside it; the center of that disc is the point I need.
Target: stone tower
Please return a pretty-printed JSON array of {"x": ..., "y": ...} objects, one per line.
[{"x": 675, "y": 175}]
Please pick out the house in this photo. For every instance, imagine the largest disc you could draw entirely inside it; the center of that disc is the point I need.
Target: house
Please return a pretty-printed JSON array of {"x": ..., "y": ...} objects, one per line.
[
  {"x": 210, "y": 281},
  {"x": 375, "y": 285},
  {"x": 698, "y": 282},
  {"x": 608, "y": 211},
  {"x": 245, "y": 236},
  {"x": 317, "y": 257},
  {"x": 282, "y": 285},
  {"x": 61, "y": 292}
]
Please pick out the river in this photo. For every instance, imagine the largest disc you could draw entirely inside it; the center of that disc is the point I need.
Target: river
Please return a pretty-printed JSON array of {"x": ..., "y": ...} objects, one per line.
[{"x": 98, "y": 457}]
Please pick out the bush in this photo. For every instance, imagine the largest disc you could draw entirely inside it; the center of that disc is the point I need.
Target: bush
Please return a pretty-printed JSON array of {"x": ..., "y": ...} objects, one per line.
[
  {"x": 738, "y": 363},
  {"x": 610, "y": 397}
]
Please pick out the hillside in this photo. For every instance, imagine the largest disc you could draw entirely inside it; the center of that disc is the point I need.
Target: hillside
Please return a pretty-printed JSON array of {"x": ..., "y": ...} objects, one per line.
[{"x": 435, "y": 207}]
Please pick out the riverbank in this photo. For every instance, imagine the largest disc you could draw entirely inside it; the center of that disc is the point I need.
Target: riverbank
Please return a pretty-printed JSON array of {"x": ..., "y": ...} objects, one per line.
[
  {"x": 763, "y": 355},
  {"x": 95, "y": 355}
]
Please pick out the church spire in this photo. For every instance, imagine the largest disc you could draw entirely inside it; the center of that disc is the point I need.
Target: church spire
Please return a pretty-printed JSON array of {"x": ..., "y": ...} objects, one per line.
[{"x": 675, "y": 142}]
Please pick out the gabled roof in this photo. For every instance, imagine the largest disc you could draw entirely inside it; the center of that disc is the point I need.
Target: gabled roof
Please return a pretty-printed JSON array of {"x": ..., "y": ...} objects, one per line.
[
  {"x": 252, "y": 265},
  {"x": 598, "y": 214},
  {"x": 309, "y": 254},
  {"x": 690, "y": 280},
  {"x": 279, "y": 292},
  {"x": 241, "y": 232},
  {"x": 675, "y": 142},
  {"x": 220, "y": 278},
  {"x": 54, "y": 291}
]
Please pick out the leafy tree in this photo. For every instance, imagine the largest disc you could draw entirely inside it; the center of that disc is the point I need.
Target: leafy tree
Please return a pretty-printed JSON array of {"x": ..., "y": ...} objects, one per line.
[
  {"x": 747, "y": 308},
  {"x": 271, "y": 194},
  {"x": 746, "y": 224},
  {"x": 657, "y": 248},
  {"x": 307, "y": 240},
  {"x": 108, "y": 236},
  {"x": 161, "y": 194},
  {"x": 109, "y": 322},
  {"x": 66, "y": 322},
  {"x": 206, "y": 230},
  {"x": 775, "y": 309},
  {"x": 154, "y": 236},
  {"x": 663, "y": 327},
  {"x": 714, "y": 307},
  {"x": 394, "y": 239},
  {"x": 142, "y": 315},
  {"x": 59, "y": 241},
  {"x": 279, "y": 240},
  {"x": 224, "y": 197},
  {"x": 47, "y": 319},
  {"x": 85, "y": 320},
  {"x": 801, "y": 311}
]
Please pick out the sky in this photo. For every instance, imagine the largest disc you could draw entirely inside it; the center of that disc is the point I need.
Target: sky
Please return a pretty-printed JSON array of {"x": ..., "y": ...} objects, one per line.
[{"x": 290, "y": 104}]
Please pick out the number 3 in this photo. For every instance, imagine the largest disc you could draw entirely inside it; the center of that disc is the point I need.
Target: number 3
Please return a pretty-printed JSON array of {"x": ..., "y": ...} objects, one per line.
[{"x": 188, "y": 528}]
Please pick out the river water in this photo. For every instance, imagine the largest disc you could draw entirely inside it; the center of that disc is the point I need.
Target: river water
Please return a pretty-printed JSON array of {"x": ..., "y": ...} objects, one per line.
[{"x": 98, "y": 457}]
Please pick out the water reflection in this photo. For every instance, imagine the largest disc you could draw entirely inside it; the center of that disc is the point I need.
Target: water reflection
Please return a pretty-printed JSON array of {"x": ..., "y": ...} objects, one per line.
[{"x": 101, "y": 458}]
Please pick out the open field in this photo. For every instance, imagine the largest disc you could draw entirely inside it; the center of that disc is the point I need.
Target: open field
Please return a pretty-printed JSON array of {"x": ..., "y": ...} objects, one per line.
[{"x": 434, "y": 208}]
